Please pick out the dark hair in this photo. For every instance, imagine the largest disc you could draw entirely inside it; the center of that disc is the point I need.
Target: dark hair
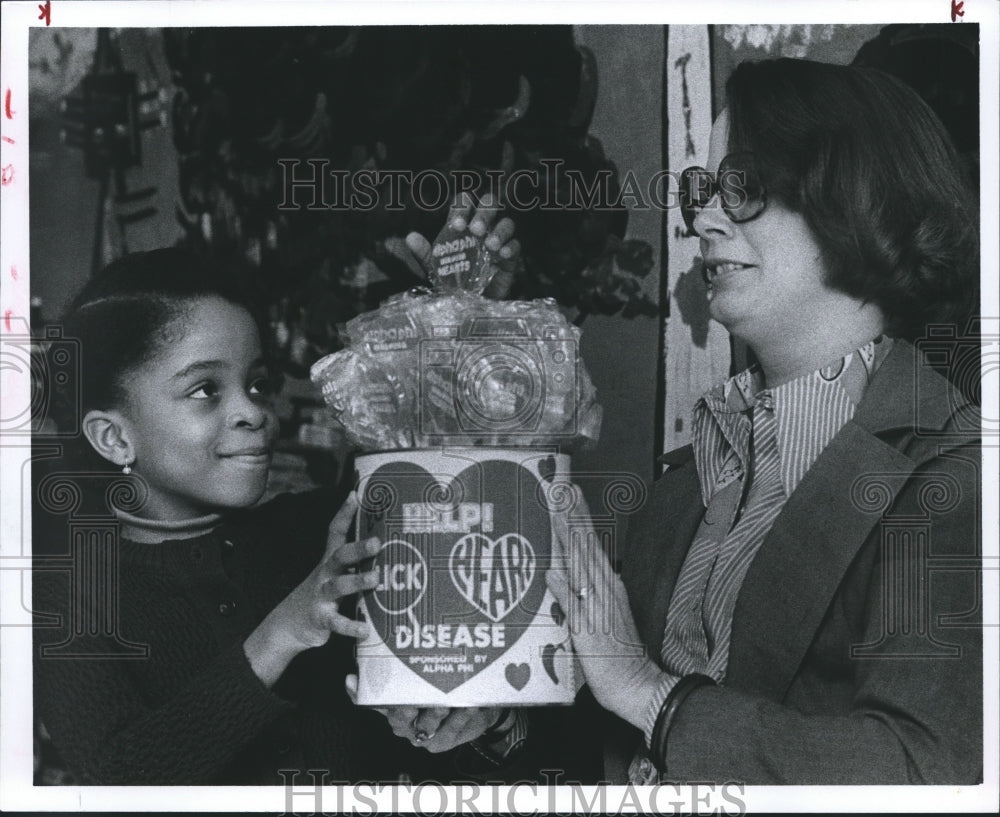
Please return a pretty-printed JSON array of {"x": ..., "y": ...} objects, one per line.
[
  {"x": 872, "y": 170},
  {"x": 124, "y": 315}
]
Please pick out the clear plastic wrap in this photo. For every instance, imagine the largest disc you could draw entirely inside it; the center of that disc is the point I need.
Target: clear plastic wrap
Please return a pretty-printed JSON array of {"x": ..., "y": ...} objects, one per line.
[{"x": 450, "y": 367}]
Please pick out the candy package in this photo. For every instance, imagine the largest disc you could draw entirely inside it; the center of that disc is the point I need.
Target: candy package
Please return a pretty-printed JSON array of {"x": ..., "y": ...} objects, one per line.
[
  {"x": 456, "y": 402},
  {"x": 450, "y": 367}
]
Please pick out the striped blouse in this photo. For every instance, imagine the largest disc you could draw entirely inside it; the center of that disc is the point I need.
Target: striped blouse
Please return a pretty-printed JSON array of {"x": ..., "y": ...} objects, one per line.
[{"x": 752, "y": 447}]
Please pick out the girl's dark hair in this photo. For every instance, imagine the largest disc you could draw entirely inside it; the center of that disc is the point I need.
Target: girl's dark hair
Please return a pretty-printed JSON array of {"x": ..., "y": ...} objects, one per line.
[
  {"x": 122, "y": 317},
  {"x": 872, "y": 170}
]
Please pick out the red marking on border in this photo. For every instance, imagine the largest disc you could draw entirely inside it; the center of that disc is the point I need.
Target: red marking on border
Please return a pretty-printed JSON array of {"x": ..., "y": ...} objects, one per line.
[
  {"x": 957, "y": 10},
  {"x": 6, "y": 318},
  {"x": 7, "y": 175},
  {"x": 45, "y": 10},
  {"x": 8, "y": 111},
  {"x": 13, "y": 272},
  {"x": 7, "y": 139}
]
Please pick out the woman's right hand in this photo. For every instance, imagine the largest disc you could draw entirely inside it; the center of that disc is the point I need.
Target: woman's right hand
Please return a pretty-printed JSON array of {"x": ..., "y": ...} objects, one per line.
[
  {"x": 498, "y": 234},
  {"x": 310, "y": 613}
]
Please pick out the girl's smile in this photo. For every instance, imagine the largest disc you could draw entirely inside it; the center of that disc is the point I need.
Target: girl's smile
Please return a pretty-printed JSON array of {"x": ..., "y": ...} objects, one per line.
[{"x": 198, "y": 415}]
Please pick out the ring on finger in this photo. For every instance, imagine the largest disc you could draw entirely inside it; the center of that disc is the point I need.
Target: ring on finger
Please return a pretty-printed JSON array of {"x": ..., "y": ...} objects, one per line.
[{"x": 420, "y": 735}]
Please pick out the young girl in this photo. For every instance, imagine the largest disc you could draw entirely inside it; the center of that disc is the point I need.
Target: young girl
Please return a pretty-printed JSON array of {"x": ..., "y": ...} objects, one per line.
[{"x": 221, "y": 667}]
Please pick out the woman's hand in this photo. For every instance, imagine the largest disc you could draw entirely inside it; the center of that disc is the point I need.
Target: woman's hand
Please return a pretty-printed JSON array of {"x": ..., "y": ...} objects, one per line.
[
  {"x": 436, "y": 729},
  {"x": 311, "y": 612},
  {"x": 605, "y": 639},
  {"x": 415, "y": 251}
]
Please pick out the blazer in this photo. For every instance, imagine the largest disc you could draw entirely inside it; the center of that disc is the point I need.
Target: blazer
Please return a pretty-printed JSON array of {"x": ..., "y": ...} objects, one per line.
[{"x": 856, "y": 653}]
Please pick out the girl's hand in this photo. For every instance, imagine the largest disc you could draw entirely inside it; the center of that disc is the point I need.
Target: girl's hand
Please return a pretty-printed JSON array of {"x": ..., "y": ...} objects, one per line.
[
  {"x": 606, "y": 641},
  {"x": 436, "y": 729},
  {"x": 415, "y": 252},
  {"x": 310, "y": 613}
]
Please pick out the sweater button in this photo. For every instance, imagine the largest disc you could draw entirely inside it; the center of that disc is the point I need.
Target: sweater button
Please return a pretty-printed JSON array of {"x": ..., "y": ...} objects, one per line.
[
  {"x": 196, "y": 553},
  {"x": 227, "y": 608},
  {"x": 228, "y": 544}
]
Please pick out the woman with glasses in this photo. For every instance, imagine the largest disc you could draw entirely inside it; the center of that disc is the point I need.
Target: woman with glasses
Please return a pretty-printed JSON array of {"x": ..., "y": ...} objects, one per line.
[{"x": 799, "y": 596}]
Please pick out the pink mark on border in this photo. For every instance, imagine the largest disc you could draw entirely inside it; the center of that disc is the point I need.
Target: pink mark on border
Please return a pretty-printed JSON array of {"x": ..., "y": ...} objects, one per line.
[{"x": 6, "y": 318}]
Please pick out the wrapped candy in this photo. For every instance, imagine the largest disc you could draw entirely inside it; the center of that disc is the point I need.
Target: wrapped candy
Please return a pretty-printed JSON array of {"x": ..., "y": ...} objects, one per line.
[
  {"x": 460, "y": 262},
  {"x": 450, "y": 367},
  {"x": 368, "y": 400}
]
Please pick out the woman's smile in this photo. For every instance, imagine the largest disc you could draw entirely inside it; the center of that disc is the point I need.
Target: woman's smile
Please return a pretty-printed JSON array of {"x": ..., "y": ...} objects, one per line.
[{"x": 714, "y": 269}]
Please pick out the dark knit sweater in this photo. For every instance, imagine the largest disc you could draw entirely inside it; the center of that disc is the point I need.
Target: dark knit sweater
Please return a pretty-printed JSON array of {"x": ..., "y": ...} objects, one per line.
[{"x": 191, "y": 711}]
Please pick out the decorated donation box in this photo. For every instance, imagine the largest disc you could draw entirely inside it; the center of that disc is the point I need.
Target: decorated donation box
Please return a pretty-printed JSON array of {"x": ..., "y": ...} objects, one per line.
[
  {"x": 461, "y": 402},
  {"x": 462, "y": 615}
]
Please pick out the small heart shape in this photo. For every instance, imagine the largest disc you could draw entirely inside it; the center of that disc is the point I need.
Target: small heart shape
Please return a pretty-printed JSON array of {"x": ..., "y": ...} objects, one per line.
[
  {"x": 549, "y": 660},
  {"x": 507, "y": 562},
  {"x": 518, "y": 675},
  {"x": 558, "y": 616},
  {"x": 547, "y": 468}
]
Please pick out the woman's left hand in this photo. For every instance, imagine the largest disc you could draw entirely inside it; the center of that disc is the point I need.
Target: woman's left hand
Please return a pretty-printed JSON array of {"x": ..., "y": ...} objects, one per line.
[
  {"x": 436, "y": 729},
  {"x": 605, "y": 639}
]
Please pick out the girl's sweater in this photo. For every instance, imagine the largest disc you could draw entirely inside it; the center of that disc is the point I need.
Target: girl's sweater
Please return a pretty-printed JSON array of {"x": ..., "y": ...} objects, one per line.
[{"x": 157, "y": 690}]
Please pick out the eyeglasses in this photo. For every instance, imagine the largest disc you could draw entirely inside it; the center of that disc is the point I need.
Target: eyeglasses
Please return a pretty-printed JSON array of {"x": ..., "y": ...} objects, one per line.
[{"x": 737, "y": 182}]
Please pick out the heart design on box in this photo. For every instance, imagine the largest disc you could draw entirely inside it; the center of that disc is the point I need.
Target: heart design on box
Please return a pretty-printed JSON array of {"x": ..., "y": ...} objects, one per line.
[
  {"x": 518, "y": 675},
  {"x": 464, "y": 575},
  {"x": 547, "y": 468},
  {"x": 549, "y": 660},
  {"x": 494, "y": 593},
  {"x": 401, "y": 585}
]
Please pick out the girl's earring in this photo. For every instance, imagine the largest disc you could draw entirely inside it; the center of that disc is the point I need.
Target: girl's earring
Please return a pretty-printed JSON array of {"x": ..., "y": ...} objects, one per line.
[{"x": 127, "y": 467}]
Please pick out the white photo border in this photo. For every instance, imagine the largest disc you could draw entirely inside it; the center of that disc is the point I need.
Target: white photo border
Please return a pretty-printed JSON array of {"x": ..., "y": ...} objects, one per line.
[{"x": 18, "y": 793}]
